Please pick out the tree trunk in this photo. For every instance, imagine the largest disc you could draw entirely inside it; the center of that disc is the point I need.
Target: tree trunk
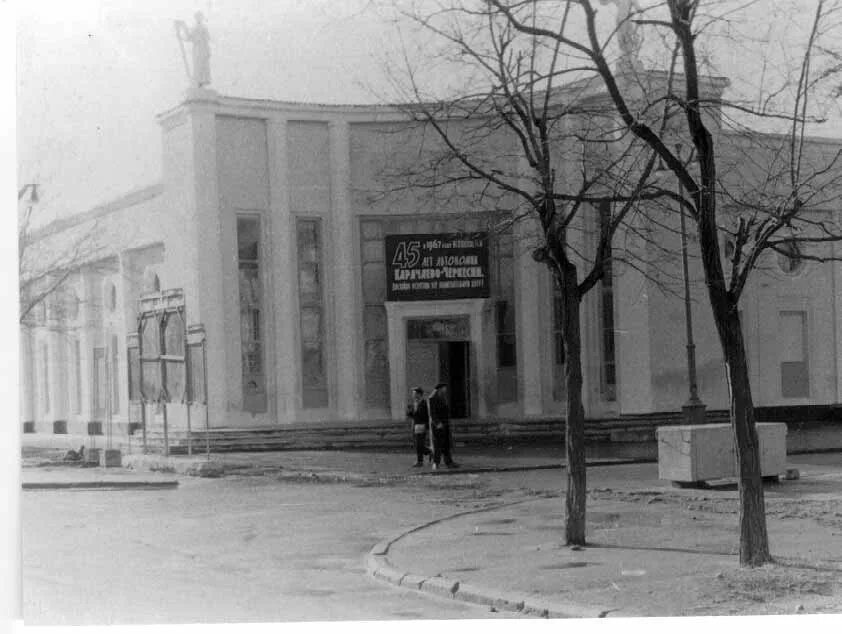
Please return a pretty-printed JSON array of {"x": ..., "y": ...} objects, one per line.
[
  {"x": 754, "y": 540},
  {"x": 574, "y": 434}
]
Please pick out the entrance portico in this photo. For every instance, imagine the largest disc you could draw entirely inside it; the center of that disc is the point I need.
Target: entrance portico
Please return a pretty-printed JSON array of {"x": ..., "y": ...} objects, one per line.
[{"x": 479, "y": 317}]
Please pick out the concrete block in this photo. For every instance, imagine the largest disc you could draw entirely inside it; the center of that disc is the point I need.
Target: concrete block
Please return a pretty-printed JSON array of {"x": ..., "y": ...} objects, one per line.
[
  {"x": 93, "y": 455},
  {"x": 412, "y": 581},
  {"x": 473, "y": 594},
  {"x": 388, "y": 574},
  {"x": 111, "y": 458},
  {"x": 695, "y": 453},
  {"x": 440, "y": 586}
]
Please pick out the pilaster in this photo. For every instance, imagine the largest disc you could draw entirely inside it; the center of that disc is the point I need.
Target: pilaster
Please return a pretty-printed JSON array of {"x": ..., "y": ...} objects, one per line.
[
  {"x": 282, "y": 276},
  {"x": 345, "y": 274},
  {"x": 204, "y": 295},
  {"x": 528, "y": 317}
]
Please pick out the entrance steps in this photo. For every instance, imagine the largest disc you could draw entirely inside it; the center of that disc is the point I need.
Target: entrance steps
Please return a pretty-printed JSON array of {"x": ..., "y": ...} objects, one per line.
[{"x": 395, "y": 434}]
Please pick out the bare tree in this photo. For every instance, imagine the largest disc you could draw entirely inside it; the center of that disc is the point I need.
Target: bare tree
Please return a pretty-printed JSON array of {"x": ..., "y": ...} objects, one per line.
[
  {"x": 769, "y": 204},
  {"x": 46, "y": 260},
  {"x": 516, "y": 140}
]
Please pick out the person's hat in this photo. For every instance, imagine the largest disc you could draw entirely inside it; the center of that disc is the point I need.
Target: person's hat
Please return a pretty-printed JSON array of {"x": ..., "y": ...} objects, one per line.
[
  {"x": 440, "y": 385},
  {"x": 420, "y": 390}
]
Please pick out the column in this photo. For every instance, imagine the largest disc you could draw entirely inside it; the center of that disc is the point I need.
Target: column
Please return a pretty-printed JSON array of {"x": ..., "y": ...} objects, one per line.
[
  {"x": 528, "y": 316},
  {"x": 58, "y": 368},
  {"x": 27, "y": 387},
  {"x": 86, "y": 344},
  {"x": 345, "y": 274},
  {"x": 125, "y": 324},
  {"x": 204, "y": 296},
  {"x": 282, "y": 274},
  {"x": 633, "y": 362}
]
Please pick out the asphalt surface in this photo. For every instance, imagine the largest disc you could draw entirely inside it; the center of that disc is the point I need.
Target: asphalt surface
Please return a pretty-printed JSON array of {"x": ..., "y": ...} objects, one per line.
[
  {"x": 263, "y": 547},
  {"x": 236, "y": 549}
]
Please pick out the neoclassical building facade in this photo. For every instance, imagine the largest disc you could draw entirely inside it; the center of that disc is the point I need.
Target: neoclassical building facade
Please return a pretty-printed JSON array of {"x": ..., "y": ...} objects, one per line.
[{"x": 271, "y": 278}]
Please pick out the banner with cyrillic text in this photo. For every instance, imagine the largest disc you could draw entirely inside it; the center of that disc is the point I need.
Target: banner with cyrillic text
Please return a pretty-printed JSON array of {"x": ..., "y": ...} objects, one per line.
[{"x": 436, "y": 266}]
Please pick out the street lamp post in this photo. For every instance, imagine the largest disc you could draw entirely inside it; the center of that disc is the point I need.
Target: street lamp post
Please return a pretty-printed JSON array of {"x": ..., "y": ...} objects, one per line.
[{"x": 694, "y": 409}]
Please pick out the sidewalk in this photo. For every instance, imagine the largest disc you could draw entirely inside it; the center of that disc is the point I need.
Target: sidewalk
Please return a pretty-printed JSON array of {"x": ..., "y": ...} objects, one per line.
[
  {"x": 362, "y": 466},
  {"x": 653, "y": 551}
]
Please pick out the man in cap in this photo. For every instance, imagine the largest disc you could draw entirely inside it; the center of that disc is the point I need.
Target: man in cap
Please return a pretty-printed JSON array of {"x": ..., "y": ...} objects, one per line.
[{"x": 440, "y": 421}]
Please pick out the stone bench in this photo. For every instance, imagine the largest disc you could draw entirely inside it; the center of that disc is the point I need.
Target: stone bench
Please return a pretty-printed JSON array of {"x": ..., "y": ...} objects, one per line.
[{"x": 692, "y": 454}]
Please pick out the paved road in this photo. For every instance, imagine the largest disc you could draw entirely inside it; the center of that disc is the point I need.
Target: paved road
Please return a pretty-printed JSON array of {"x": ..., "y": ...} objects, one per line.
[
  {"x": 236, "y": 549},
  {"x": 250, "y": 549}
]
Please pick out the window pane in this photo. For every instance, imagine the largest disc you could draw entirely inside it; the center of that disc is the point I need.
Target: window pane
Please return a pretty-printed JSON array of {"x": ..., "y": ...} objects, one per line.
[
  {"x": 151, "y": 385},
  {"x": 309, "y": 283},
  {"x": 45, "y": 379},
  {"x": 251, "y": 302},
  {"x": 314, "y": 381},
  {"x": 115, "y": 376},
  {"x": 313, "y": 368},
  {"x": 173, "y": 335},
  {"x": 507, "y": 385},
  {"x": 248, "y": 238},
  {"x": 197, "y": 374},
  {"x": 175, "y": 381},
  {"x": 374, "y": 251},
  {"x": 506, "y": 351},
  {"x": 372, "y": 230},
  {"x": 311, "y": 325},
  {"x": 374, "y": 283},
  {"x": 134, "y": 374},
  {"x": 77, "y": 373},
  {"x": 308, "y": 241},
  {"x": 149, "y": 336}
]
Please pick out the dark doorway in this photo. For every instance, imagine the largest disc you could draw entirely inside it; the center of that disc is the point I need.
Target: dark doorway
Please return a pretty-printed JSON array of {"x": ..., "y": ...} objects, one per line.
[{"x": 455, "y": 370}]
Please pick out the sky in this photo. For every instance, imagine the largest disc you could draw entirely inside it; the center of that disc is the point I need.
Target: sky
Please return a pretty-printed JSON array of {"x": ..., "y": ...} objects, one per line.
[{"x": 92, "y": 75}]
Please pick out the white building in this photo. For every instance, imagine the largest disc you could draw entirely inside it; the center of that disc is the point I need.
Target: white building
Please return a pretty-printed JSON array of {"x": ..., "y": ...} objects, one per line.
[{"x": 271, "y": 226}]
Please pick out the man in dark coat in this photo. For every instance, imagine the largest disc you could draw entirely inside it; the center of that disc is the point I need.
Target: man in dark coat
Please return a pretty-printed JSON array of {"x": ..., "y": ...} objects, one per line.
[
  {"x": 440, "y": 418},
  {"x": 420, "y": 421}
]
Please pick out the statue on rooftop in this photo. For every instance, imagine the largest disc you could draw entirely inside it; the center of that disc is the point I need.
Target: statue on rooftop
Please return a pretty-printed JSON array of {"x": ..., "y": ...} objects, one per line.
[
  {"x": 628, "y": 34},
  {"x": 199, "y": 37}
]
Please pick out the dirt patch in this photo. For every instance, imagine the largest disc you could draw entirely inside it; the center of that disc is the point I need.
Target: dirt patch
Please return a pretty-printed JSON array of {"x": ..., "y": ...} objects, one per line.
[{"x": 774, "y": 582}]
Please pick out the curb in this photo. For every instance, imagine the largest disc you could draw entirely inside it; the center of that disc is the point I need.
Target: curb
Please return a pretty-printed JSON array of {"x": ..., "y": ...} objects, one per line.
[
  {"x": 100, "y": 485},
  {"x": 378, "y": 566},
  {"x": 200, "y": 467}
]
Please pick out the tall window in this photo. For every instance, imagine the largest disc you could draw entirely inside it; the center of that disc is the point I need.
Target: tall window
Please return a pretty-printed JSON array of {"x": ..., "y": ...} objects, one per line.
[
  {"x": 76, "y": 373},
  {"x": 251, "y": 302},
  {"x": 100, "y": 385},
  {"x": 311, "y": 306},
  {"x": 608, "y": 374},
  {"x": 503, "y": 289},
  {"x": 45, "y": 378},
  {"x": 115, "y": 373},
  {"x": 795, "y": 375}
]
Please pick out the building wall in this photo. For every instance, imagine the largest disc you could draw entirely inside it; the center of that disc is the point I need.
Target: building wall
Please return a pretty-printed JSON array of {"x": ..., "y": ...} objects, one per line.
[{"x": 345, "y": 172}]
